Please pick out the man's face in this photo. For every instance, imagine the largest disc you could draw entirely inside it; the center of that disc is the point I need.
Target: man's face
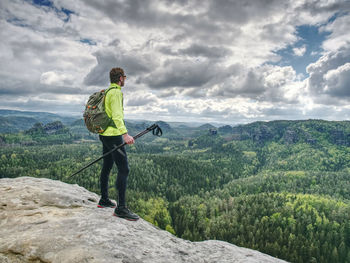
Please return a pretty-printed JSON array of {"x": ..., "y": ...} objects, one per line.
[{"x": 122, "y": 81}]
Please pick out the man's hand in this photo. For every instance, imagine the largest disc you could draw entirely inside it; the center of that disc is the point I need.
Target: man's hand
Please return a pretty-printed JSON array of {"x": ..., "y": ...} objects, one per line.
[{"x": 128, "y": 139}]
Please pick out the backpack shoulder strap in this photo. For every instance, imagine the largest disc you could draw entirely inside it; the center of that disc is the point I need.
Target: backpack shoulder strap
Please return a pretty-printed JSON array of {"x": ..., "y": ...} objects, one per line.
[{"x": 110, "y": 88}]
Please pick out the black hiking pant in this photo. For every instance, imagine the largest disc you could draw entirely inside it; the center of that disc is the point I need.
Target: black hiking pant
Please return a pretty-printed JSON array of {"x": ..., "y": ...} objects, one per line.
[{"x": 109, "y": 142}]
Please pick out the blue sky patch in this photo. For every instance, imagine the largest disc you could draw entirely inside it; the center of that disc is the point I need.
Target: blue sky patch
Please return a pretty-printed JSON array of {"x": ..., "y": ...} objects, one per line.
[
  {"x": 67, "y": 13},
  {"x": 43, "y": 3},
  {"x": 88, "y": 41},
  {"x": 311, "y": 39},
  {"x": 49, "y": 3}
]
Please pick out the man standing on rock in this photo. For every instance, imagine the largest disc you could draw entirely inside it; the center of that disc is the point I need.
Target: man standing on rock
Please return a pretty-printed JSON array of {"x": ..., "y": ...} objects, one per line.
[{"x": 111, "y": 137}]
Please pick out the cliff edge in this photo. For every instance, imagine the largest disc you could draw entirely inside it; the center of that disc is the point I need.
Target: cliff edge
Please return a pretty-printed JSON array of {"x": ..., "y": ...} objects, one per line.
[{"x": 43, "y": 220}]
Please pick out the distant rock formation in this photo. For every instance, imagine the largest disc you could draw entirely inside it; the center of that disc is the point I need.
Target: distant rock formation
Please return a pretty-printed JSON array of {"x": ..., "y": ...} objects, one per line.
[
  {"x": 213, "y": 132},
  {"x": 225, "y": 129},
  {"x": 206, "y": 126},
  {"x": 290, "y": 136},
  {"x": 338, "y": 137},
  {"x": 50, "y": 221},
  {"x": 55, "y": 127},
  {"x": 289, "y": 132}
]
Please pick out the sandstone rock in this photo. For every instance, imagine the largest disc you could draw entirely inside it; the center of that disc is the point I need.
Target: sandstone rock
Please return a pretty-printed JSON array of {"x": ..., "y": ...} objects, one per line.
[
  {"x": 43, "y": 220},
  {"x": 225, "y": 129},
  {"x": 338, "y": 137},
  {"x": 54, "y": 127},
  {"x": 262, "y": 134},
  {"x": 290, "y": 136}
]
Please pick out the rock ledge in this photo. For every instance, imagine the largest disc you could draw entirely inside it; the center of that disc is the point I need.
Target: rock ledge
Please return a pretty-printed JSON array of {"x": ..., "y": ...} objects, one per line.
[{"x": 43, "y": 220}]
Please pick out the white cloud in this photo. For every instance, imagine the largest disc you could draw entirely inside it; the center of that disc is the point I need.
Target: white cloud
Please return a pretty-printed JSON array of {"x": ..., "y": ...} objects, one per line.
[
  {"x": 337, "y": 81},
  {"x": 190, "y": 59},
  {"x": 328, "y": 82},
  {"x": 299, "y": 51},
  {"x": 56, "y": 78},
  {"x": 339, "y": 34}
]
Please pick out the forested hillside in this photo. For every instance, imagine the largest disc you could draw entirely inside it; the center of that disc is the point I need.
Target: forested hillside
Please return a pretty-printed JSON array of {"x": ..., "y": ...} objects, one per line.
[
  {"x": 13, "y": 121},
  {"x": 280, "y": 187}
]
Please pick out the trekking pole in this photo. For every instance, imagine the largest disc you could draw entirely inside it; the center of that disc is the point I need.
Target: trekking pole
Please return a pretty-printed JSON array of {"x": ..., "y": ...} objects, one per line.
[{"x": 156, "y": 130}]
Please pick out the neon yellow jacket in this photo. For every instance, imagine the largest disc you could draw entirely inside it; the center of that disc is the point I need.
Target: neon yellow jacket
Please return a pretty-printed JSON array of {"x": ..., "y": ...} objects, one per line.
[{"x": 115, "y": 110}]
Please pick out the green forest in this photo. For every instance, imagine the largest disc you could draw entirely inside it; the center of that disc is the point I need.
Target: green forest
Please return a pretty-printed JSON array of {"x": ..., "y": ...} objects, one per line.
[{"x": 279, "y": 187}]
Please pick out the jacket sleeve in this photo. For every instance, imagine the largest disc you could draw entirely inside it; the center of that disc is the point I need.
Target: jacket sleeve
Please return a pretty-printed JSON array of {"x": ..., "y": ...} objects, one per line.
[{"x": 116, "y": 103}]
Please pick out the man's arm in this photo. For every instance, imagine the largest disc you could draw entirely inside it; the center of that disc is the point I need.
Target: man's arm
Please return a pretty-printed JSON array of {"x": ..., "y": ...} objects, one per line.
[{"x": 116, "y": 102}]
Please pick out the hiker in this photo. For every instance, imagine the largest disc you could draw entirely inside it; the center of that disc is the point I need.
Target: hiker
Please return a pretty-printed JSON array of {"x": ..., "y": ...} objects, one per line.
[{"x": 111, "y": 137}]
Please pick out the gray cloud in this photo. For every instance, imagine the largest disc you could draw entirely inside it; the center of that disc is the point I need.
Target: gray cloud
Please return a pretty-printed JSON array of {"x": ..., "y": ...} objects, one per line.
[
  {"x": 134, "y": 12},
  {"x": 338, "y": 81},
  {"x": 32, "y": 103},
  {"x": 298, "y": 112},
  {"x": 242, "y": 11},
  {"x": 47, "y": 19},
  {"x": 194, "y": 92},
  {"x": 328, "y": 112},
  {"x": 249, "y": 85},
  {"x": 140, "y": 100},
  {"x": 278, "y": 33},
  {"x": 167, "y": 93},
  {"x": 213, "y": 52},
  {"x": 252, "y": 86},
  {"x": 133, "y": 65},
  {"x": 33, "y": 88},
  {"x": 16, "y": 86},
  {"x": 181, "y": 73},
  {"x": 264, "y": 84},
  {"x": 329, "y": 75},
  {"x": 317, "y": 7},
  {"x": 282, "y": 112},
  {"x": 186, "y": 23}
]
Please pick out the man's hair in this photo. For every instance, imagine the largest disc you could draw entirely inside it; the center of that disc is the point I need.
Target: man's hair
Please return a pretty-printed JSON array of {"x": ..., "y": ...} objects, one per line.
[{"x": 115, "y": 74}]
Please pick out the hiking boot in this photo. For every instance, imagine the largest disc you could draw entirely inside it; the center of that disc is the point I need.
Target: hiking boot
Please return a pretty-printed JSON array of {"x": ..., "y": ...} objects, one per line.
[
  {"x": 124, "y": 212},
  {"x": 106, "y": 203}
]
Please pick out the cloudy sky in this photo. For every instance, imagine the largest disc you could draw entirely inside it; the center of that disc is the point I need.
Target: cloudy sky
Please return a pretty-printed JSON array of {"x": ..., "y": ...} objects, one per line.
[{"x": 226, "y": 61}]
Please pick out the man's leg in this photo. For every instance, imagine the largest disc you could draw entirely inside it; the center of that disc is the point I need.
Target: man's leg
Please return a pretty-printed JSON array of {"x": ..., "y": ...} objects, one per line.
[
  {"x": 123, "y": 172},
  {"x": 121, "y": 160},
  {"x": 106, "y": 169}
]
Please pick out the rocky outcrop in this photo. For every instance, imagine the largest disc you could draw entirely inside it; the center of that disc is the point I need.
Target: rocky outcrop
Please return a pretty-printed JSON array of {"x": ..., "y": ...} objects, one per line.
[
  {"x": 299, "y": 131},
  {"x": 225, "y": 129},
  {"x": 338, "y": 137},
  {"x": 51, "y": 128},
  {"x": 206, "y": 126},
  {"x": 54, "y": 127},
  {"x": 290, "y": 136},
  {"x": 50, "y": 221},
  {"x": 2, "y": 141},
  {"x": 262, "y": 134}
]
